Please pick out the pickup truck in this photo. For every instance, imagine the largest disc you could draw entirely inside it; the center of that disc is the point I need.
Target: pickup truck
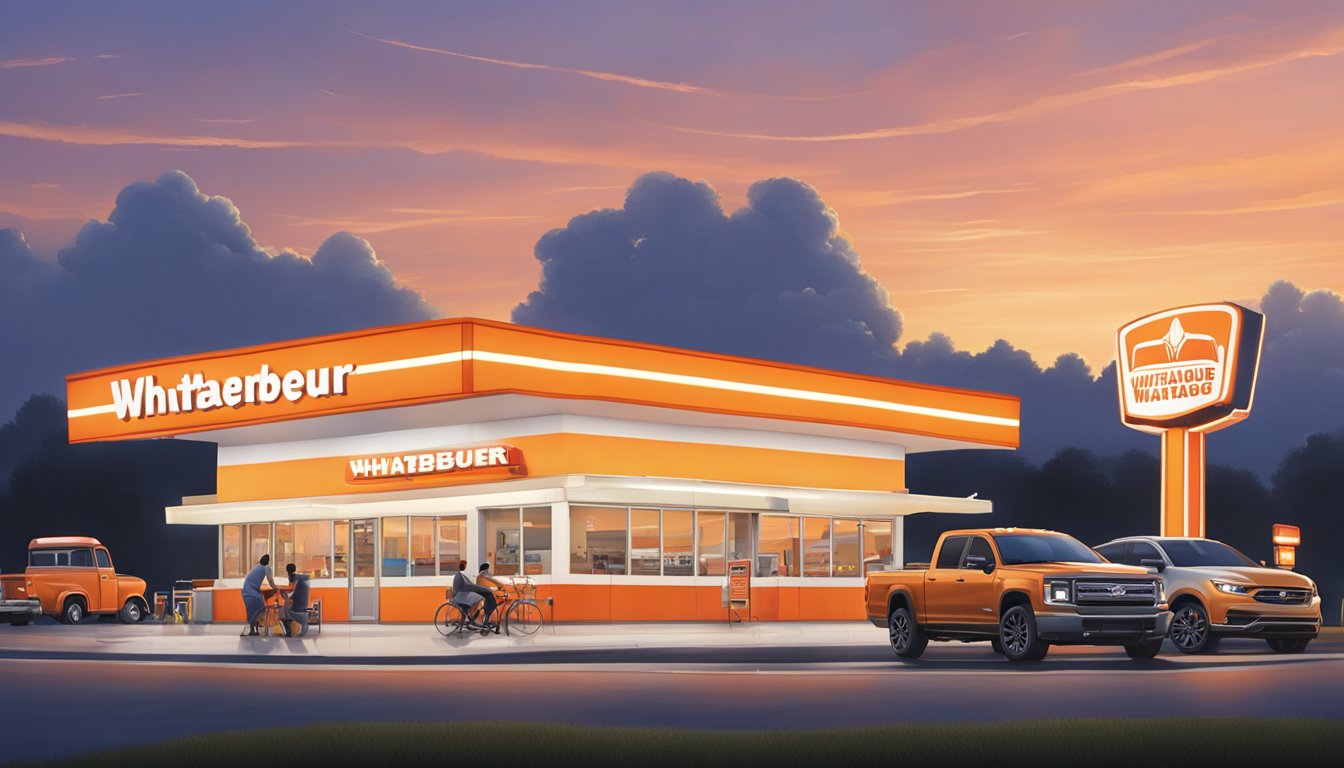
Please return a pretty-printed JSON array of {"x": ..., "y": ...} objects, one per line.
[
  {"x": 1022, "y": 590},
  {"x": 72, "y": 577}
]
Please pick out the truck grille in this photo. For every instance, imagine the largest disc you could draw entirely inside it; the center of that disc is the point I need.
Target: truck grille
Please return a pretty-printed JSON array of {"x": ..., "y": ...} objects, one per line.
[
  {"x": 1286, "y": 596},
  {"x": 1115, "y": 593}
]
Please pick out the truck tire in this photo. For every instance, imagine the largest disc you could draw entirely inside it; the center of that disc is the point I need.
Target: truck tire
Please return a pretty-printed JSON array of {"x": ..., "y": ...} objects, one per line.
[
  {"x": 1017, "y": 634},
  {"x": 997, "y": 645},
  {"x": 20, "y": 622},
  {"x": 132, "y": 612},
  {"x": 1190, "y": 631},
  {"x": 1146, "y": 650},
  {"x": 906, "y": 640},
  {"x": 1289, "y": 645},
  {"x": 73, "y": 611}
]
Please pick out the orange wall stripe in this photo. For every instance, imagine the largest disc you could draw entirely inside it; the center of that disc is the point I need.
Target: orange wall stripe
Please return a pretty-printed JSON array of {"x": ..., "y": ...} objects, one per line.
[{"x": 572, "y": 454}]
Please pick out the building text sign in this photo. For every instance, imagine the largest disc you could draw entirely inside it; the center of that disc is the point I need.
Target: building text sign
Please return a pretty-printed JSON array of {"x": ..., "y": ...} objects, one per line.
[
  {"x": 419, "y": 463},
  {"x": 1191, "y": 367}
]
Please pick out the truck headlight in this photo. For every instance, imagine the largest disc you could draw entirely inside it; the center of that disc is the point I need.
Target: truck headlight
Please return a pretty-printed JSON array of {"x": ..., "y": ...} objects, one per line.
[
  {"x": 1160, "y": 591},
  {"x": 1232, "y": 589},
  {"x": 1058, "y": 592},
  {"x": 1314, "y": 593}
]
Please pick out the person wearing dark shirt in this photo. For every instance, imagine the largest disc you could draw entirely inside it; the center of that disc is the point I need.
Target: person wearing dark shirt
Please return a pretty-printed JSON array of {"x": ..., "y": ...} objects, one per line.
[{"x": 296, "y": 607}]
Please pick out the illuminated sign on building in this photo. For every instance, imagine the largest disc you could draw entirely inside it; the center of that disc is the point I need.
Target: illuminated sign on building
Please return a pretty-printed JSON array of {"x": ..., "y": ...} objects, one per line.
[
  {"x": 145, "y": 397},
  {"x": 417, "y": 463}
]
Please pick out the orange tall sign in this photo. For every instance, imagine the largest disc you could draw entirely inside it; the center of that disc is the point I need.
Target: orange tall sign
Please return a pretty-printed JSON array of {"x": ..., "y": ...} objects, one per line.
[{"x": 1183, "y": 373}]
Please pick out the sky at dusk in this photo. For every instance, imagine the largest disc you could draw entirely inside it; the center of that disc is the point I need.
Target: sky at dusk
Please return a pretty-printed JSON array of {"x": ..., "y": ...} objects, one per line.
[{"x": 1041, "y": 172}]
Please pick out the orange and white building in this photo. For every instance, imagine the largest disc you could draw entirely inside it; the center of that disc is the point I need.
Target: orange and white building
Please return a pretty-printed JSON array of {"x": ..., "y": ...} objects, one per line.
[{"x": 621, "y": 476}]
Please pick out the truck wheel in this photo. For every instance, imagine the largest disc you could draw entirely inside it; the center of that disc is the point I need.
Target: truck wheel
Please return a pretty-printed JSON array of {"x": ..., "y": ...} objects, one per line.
[
  {"x": 1190, "y": 631},
  {"x": 997, "y": 645},
  {"x": 906, "y": 640},
  {"x": 1289, "y": 645},
  {"x": 1145, "y": 650},
  {"x": 23, "y": 622},
  {"x": 131, "y": 612},
  {"x": 73, "y": 612},
  {"x": 1017, "y": 634}
]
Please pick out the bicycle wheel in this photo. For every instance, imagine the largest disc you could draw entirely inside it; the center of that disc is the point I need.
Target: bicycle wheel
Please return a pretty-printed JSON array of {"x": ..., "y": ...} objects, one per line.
[
  {"x": 524, "y": 618},
  {"x": 449, "y": 620}
]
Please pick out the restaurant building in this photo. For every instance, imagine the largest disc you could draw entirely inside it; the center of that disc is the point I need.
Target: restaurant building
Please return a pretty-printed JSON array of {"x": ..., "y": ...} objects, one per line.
[{"x": 622, "y": 477}]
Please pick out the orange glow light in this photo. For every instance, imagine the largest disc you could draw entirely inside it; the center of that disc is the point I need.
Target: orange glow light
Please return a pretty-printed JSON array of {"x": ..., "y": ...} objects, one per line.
[
  {"x": 1285, "y": 557},
  {"x": 1287, "y": 535}
]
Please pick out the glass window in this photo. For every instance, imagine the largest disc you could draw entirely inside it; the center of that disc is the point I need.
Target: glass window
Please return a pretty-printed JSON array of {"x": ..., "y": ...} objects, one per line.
[
  {"x": 340, "y": 558},
  {"x": 877, "y": 552},
  {"x": 709, "y": 535},
  {"x": 49, "y": 558},
  {"x": 396, "y": 549},
  {"x": 422, "y": 546},
  {"x": 452, "y": 544},
  {"x": 845, "y": 550},
  {"x": 284, "y": 547},
  {"x": 678, "y": 542},
  {"x": 597, "y": 540},
  {"x": 950, "y": 555},
  {"x": 536, "y": 540},
  {"x": 1114, "y": 552},
  {"x": 778, "y": 553},
  {"x": 232, "y": 543},
  {"x": 1140, "y": 551},
  {"x": 979, "y": 548},
  {"x": 312, "y": 548},
  {"x": 1195, "y": 553},
  {"x": 81, "y": 558},
  {"x": 503, "y": 541},
  {"x": 816, "y": 546},
  {"x": 259, "y": 543},
  {"x": 645, "y": 542},
  {"x": 740, "y": 539},
  {"x": 1023, "y": 548},
  {"x": 365, "y": 543},
  {"x": 101, "y": 556}
]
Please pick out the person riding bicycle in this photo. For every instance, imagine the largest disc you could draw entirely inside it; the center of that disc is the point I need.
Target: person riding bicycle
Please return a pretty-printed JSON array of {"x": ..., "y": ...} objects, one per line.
[{"x": 467, "y": 594}]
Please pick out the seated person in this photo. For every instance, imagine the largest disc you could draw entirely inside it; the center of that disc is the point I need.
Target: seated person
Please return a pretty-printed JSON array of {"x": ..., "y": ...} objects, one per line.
[
  {"x": 484, "y": 579},
  {"x": 467, "y": 595},
  {"x": 296, "y": 606}
]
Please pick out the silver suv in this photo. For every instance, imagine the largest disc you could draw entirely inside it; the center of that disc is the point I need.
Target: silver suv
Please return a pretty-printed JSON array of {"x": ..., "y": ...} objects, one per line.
[{"x": 1216, "y": 591}]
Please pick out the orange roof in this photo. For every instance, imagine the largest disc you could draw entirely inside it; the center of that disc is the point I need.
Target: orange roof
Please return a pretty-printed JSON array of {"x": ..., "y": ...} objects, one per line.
[{"x": 454, "y": 359}]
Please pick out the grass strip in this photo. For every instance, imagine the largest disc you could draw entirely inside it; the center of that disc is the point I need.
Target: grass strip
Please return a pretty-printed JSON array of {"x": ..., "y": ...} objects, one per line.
[{"x": 1074, "y": 743}]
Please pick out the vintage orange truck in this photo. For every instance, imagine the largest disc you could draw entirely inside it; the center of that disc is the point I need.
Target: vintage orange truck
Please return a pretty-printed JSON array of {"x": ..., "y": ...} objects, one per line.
[
  {"x": 1022, "y": 590},
  {"x": 72, "y": 577}
]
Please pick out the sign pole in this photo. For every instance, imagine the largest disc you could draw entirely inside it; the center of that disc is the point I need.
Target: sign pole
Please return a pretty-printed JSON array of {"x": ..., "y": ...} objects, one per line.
[{"x": 1182, "y": 483}]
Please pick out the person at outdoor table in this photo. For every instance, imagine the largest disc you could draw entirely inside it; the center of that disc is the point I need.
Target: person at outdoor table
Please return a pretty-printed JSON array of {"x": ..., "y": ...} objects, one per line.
[
  {"x": 296, "y": 606},
  {"x": 467, "y": 594},
  {"x": 253, "y": 601}
]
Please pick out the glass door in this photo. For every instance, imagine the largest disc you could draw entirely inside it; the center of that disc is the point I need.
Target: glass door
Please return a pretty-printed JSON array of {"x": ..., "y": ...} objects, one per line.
[{"x": 363, "y": 570}]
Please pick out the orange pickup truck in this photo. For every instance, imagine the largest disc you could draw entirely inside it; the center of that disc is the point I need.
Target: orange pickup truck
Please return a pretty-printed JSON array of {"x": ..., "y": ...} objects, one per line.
[
  {"x": 1022, "y": 590},
  {"x": 72, "y": 577}
]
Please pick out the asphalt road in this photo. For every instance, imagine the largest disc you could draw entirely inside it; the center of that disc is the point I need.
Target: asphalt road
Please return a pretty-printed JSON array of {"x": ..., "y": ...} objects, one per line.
[{"x": 53, "y": 708}]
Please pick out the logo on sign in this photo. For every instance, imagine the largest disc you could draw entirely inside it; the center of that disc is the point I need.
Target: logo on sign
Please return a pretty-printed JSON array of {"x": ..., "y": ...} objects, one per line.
[{"x": 1191, "y": 367}]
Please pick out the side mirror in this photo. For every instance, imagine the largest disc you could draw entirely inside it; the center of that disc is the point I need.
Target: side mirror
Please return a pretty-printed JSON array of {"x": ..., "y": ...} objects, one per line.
[
  {"x": 1154, "y": 563},
  {"x": 980, "y": 563}
]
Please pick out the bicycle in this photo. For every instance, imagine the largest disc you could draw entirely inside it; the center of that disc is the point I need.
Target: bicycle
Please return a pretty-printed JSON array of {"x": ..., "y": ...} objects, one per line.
[{"x": 518, "y": 612}]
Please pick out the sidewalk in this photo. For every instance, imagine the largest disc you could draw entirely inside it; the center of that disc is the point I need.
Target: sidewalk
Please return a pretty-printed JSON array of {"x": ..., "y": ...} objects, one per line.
[{"x": 419, "y": 643}]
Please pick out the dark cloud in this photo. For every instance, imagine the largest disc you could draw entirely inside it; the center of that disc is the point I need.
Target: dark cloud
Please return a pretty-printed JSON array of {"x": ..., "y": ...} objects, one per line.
[
  {"x": 173, "y": 271},
  {"x": 774, "y": 279},
  {"x": 777, "y": 280}
]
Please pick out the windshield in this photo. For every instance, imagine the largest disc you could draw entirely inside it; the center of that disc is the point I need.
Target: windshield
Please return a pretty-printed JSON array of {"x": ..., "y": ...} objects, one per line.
[
  {"x": 1185, "y": 553},
  {"x": 1022, "y": 548}
]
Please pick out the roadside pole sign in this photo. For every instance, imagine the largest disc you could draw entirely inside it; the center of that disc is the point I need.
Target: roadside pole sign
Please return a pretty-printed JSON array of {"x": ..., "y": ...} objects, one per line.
[
  {"x": 1183, "y": 373},
  {"x": 1286, "y": 540}
]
